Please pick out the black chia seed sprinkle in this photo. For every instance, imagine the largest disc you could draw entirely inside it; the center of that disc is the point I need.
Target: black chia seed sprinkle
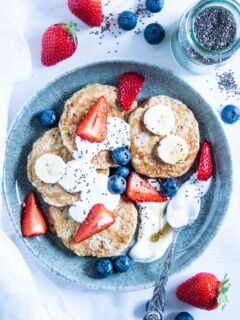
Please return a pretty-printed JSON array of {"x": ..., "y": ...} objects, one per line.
[
  {"x": 111, "y": 28},
  {"x": 215, "y": 28},
  {"x": 227, "y": 84}
]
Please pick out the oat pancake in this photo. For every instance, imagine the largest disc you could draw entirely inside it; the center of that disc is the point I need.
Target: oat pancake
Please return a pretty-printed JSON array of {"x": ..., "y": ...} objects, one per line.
[
  {"x": 107, "y": 243},
  {"x": 77, "y": 106},
  {"x": 53, "y": 194},
  {"x": 144, "y": 143}
]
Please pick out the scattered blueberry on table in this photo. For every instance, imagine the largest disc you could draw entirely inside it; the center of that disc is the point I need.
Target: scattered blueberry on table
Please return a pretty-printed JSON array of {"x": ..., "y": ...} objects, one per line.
[
  {"x": 122, "y": 263},
  {"x": 121, "y": 156},
  {"x": 154, "y": 5},
  {"x": 154, "y": 33},
  {"x": 230, "y": 114},
  {"x": 104, "y": 268},
  {"x": 48, "y": 118},
  {"x": 184, "y": 316},
  {"x": 169, "y": 187},
  {"x": 122, "y": 171},
  {"x": 116, "y": 184},
  {"x": 127, "y": 20}
]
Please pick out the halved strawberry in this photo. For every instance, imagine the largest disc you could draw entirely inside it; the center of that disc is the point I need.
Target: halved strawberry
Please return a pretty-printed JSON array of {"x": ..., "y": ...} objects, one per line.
[
  {"x": 130, "y": 83},
  {"x": 93, "y": 127},
  {"x": 33, "y": 222},
  {"x": 98, "y": 219},
  {"x": 139, "y": 190},
  {"x": 205, "y": 167}
]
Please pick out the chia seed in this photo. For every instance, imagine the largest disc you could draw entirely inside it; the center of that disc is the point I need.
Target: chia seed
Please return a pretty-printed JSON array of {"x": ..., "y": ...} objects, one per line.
[
  {"x": 215, "y": 28},
  {"x": 227, "y": 83}
]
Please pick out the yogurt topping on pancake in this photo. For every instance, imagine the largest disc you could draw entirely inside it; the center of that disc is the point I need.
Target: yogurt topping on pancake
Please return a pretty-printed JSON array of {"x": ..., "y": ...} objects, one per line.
[
  {"x": 81, "y": 175},
  {"x": 118, "y": 135},
  {"x": 155, "y": 233},
  {"x": 185, "y": 206}
]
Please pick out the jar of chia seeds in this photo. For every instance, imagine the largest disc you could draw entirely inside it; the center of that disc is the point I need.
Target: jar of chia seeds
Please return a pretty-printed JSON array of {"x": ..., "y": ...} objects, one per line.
[{"x": 207, "y": 35}]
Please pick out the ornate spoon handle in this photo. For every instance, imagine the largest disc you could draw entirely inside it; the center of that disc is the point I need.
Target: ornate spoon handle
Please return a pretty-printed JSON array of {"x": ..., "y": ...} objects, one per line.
[{"x": 156, "y": 304}]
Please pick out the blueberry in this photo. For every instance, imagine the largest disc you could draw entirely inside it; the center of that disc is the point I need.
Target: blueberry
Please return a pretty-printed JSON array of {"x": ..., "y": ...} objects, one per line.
[
  {"x": 122, "y": 263},
  {"x": 122, "y": 171},
  {"x": 127, "y": 20},
  {"x": 154, "y": 33},
  {"x": 121, "y": 156},
  {"x": 230, "y": 114},
  {"x": 169, "y": 187},
  {"x": 48, "y": 118},
  {"x": 103, "y": 268},
  {"x": 184, "y": 316},
  {"x": 116, "y": 184},
  {"x": 154, "y": 5}
]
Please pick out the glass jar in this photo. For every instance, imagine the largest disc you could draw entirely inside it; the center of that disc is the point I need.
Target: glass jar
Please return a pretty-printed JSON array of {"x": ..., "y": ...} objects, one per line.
[{"x": 186, "y": 46}]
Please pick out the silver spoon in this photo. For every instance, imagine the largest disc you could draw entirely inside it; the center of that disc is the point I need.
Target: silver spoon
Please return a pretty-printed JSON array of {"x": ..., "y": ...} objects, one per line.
[{"x": 156, "y": 304}]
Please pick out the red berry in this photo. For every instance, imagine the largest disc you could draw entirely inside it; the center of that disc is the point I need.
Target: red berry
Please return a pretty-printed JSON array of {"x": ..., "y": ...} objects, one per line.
[
  {"x": 139, "y": 190},
  {"x": 130, "y": 83},
  {"x": 205, "y": 167},
  {"x": 33, "y": 222},
  {"x": 204, "y": 291},
  {"x": 59, "y": 42},
  {"x": 89, "y": 11}
]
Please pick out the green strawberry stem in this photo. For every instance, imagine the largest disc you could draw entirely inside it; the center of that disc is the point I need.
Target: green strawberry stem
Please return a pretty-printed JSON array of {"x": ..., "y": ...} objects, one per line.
[
  {"x": 72, "y": 28},
  {"x": 222, "y": 292}
]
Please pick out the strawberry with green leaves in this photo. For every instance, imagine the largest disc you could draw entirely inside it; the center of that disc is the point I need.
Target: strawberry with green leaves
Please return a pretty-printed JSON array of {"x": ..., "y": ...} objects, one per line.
[
  {"x": 204, "y": 291},
  {"x": 59, "y": 42}
]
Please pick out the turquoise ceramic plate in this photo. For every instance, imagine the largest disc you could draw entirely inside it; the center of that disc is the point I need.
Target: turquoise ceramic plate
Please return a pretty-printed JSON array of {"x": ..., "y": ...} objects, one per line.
[{"x": 26, "y": 129}]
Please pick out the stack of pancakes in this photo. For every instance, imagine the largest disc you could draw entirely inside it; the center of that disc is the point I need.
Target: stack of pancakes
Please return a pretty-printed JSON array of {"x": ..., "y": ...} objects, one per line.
[{"x": 61, "y": 141}]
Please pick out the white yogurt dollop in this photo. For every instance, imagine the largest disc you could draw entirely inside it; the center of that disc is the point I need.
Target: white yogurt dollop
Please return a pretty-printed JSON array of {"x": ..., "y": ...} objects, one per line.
[
  {"x": 154, "y": 235},
  {"x": 203, "y": 186},
  {"x": 81, "y": 175},
  {"x": 151, "y": 244},
  {"x": 118, "y": 135},
  {"x": 185, "y": 206},
  {"x": 96, "y": 193}
]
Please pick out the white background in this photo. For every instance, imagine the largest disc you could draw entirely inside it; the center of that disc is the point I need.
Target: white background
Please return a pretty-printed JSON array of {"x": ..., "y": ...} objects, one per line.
[{"x": 223, "y": 253}]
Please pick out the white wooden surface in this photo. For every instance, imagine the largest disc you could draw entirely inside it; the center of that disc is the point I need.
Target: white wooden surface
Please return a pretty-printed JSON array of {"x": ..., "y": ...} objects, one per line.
[{"x": 223, "y": 253}]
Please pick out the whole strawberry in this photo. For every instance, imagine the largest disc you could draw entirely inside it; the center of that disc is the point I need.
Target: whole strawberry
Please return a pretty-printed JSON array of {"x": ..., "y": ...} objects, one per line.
[
  {"x": 89, "y": 11},
  {"x": 204, "y": 291},
  {"x": 59, "y": 42}
]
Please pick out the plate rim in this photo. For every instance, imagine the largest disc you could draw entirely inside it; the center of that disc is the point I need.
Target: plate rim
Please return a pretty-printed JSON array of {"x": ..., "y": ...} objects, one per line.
[{"x": 45, "y": 263}]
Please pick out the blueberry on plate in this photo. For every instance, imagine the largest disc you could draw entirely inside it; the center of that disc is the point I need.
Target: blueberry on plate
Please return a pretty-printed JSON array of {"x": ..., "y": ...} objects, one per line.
[
  {"x": 169, "y": 187},
  {"x": 127, "y": 20},
  {"x": 48, "y": 118},
  {"x": 154, "y": 5},
  {"x": 116, "y": 184},
  {"x": 103, "y": 268},
  {"x": 184, "y": 316},
  {"x": 121, "y": 156},
  {"x": 122, "y": 171},
  {"x": 122, "y": 263},
  {"x": 154, "y": 33},
  {"x": 230, "y": 114}
]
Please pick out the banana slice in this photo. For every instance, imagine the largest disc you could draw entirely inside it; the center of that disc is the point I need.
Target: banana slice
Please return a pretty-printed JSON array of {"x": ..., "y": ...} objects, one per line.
[
  {"x": 159, "y": 120},
  {"x": 172, "y": 149},
  {"x": 50, "y": 168}
]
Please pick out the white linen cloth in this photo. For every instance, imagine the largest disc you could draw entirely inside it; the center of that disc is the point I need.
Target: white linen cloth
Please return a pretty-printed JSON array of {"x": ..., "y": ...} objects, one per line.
[{"x": 26, "y": 287}]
